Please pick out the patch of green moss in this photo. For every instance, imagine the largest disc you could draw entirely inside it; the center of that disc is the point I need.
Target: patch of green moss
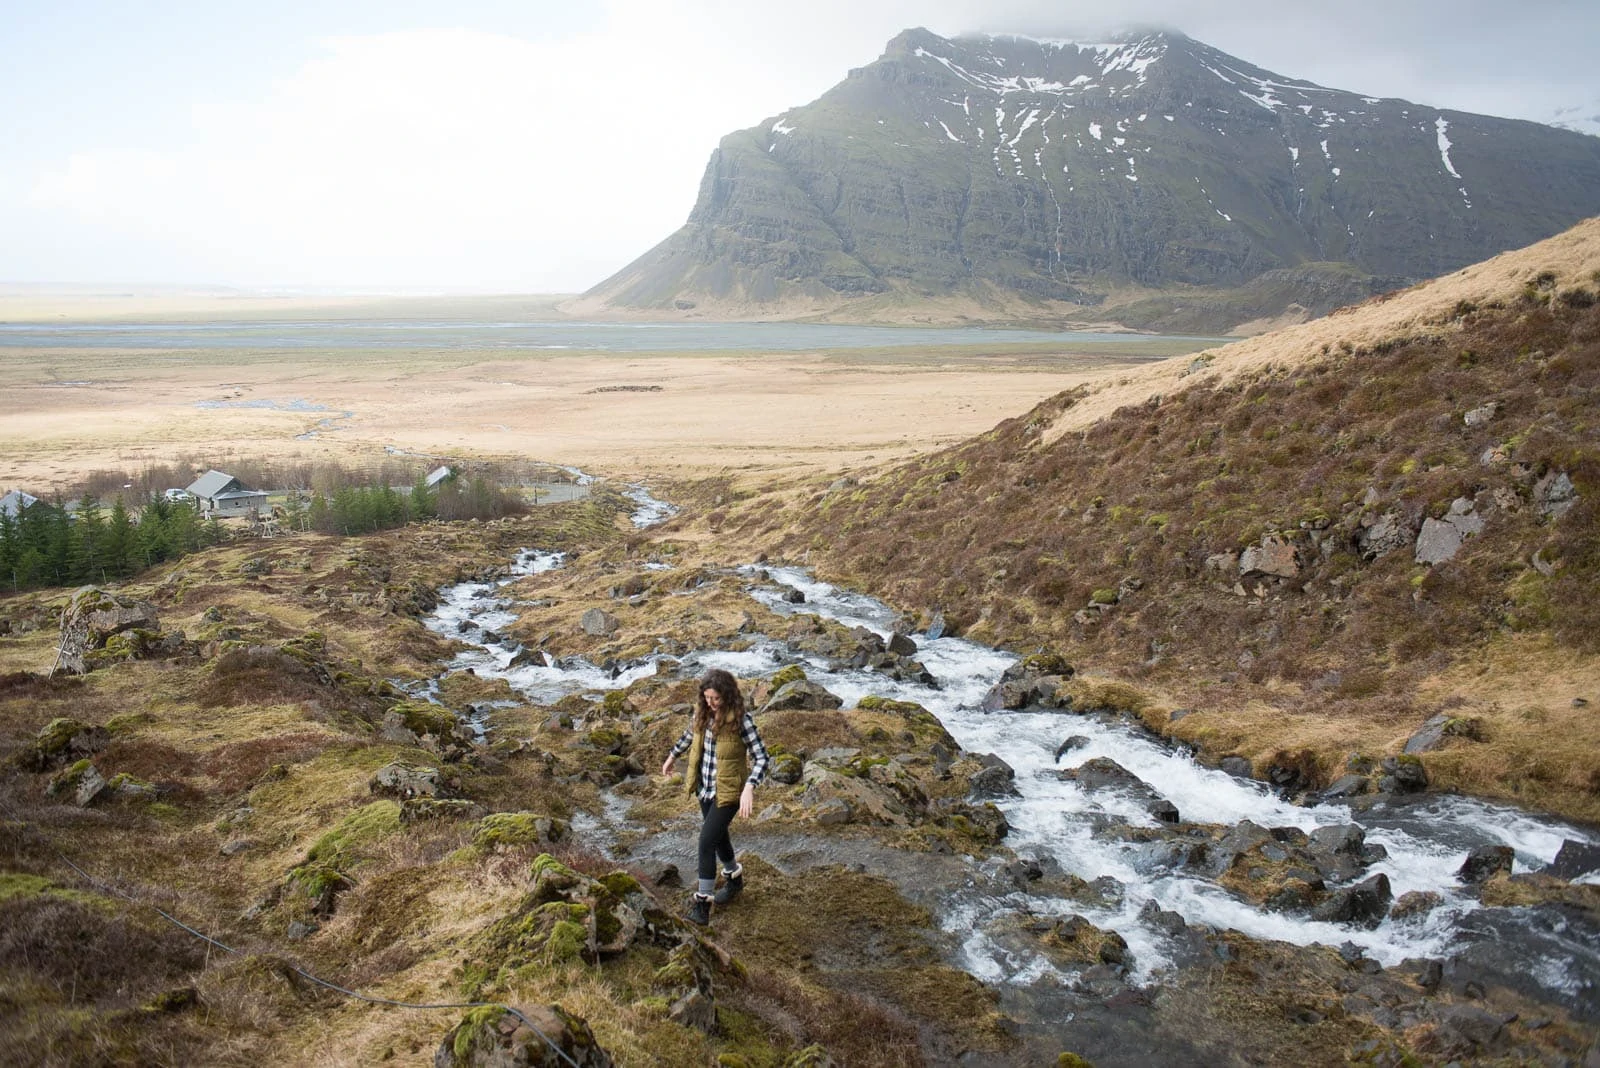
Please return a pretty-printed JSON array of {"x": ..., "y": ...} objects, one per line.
[
  {"x": 317, "y": 879},
  {"x": 874, "y": 703},
  {"x": 1072, "y": 1060},
  {"x": 510, "y": 830},
  {"x": 619, "y": 884},
  {"x": 605, "y": 739},
  {"x": 616, "y": 704},
  {"x": 422, "y": 718},
  {"x": 362, "y": 827},
  {"x": 13, "y": 884},
  {"x": 785, "y": 675},
  {"x": 126, "y": 721},
  {"x": 476, "y": 1026}
]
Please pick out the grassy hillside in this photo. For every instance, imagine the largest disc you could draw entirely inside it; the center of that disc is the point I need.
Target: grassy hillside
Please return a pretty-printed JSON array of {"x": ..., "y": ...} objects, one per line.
[{"x": 1122, "y": 539}]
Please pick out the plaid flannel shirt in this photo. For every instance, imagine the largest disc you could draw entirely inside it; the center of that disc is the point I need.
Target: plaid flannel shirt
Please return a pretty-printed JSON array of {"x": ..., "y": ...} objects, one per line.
[{"x": 759, "y": 760}]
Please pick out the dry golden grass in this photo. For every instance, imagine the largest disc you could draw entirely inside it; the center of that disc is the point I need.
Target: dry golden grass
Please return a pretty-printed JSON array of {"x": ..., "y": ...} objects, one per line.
[
  {"x": 752, "y": 414},
  {"x": 1572, "y": 256}
]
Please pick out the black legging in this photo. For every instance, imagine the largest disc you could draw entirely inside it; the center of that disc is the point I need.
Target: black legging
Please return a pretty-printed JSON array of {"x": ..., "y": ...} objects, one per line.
[{"x": 714, "y": 841}]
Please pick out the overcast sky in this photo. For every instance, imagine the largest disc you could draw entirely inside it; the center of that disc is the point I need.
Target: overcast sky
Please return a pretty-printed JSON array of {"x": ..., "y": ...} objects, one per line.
[{"x": 538, "y": 146}]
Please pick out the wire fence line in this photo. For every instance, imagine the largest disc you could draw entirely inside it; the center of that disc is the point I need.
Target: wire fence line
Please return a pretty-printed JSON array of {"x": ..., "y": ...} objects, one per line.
[{"x": 327, "y": 984}]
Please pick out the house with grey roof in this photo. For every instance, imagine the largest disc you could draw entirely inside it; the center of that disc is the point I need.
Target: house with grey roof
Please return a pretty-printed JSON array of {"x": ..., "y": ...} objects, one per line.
[
  {"x": 14, "y": 502},
  {"x": 438, "y": 475},
  {"x": 221, "y": 495}
]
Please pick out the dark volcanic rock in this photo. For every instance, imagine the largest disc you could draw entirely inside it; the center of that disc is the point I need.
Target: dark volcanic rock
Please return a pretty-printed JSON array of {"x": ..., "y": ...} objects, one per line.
[
  {"x": 1576, "y": 859},
  {"x": 1485, "y": 861},
  {"x": 1365, "y": 904}
]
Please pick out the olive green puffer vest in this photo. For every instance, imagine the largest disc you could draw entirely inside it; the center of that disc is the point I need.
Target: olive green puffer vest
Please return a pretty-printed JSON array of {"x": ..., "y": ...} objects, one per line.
[{"x": 733, "y": 764}]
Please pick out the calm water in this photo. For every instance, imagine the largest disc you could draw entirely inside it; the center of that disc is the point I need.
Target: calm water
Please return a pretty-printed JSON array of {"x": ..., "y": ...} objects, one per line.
[{"x": 455, "y": 335}]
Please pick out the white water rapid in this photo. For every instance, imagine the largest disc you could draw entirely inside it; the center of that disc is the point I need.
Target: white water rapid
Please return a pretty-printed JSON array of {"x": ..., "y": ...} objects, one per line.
[{"x": 1426, "y": 839}]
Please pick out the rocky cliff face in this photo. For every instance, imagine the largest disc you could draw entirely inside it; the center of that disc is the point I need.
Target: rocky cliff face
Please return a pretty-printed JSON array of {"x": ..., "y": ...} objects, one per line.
[{"x": 1052, "y": 171}]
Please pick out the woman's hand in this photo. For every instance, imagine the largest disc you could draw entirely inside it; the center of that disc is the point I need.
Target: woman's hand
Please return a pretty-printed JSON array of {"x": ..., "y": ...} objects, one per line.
[
  {"x": 666, "y": 765},
  {"x": 747, "y": 801}
]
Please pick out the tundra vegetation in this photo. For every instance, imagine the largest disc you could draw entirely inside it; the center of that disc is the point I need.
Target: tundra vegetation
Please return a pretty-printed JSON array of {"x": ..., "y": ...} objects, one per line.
[{"x": 256, "y": 752}]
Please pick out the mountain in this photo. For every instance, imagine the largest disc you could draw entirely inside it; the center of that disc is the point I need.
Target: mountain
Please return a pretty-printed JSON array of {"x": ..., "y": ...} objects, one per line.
[{"x": 1049, "y": 177}]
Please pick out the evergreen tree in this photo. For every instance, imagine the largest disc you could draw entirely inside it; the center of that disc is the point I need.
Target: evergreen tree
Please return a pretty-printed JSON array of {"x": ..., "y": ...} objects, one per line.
[
  {"x": 89, "y": 543},
  {"x": 119, "y": 541},
  {"x": 152, "y": 541},
  {"x": 58, "y": 554},
  {"x": 294, "y": 511},
  {"x": 10, "y": 549},
  {"x": 422, "y": 501},
  {"x": 319, "y": 516}
]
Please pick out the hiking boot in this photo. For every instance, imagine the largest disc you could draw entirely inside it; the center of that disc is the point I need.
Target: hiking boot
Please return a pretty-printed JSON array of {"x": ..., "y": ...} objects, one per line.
[
  {"x": 699, "y": 910},
  {"x": 730, "y": 889}
]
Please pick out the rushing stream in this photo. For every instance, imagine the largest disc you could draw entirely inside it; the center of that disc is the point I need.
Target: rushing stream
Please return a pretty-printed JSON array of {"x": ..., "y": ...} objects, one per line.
[{"x": 1426, "y": 838}]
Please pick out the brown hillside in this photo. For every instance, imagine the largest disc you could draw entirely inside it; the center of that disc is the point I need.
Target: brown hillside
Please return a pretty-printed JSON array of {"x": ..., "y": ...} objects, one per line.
[{"x": 1112, "y": 523}]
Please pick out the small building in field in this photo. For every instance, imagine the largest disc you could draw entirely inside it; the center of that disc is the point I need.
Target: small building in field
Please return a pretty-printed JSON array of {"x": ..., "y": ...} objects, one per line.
[
  {"x": 438, "y": 475},
  {"x": 221, "y": 495},
  {"x": 13, "y": 503}
]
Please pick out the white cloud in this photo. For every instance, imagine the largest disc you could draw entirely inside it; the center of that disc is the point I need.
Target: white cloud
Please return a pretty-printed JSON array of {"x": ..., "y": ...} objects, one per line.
[
  {"x": 419, "y": 155},
  {"x": 550, "y": 157}
]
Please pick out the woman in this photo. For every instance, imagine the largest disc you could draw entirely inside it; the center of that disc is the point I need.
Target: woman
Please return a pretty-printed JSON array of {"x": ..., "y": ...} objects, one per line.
[{"x": 726, "y": 761}]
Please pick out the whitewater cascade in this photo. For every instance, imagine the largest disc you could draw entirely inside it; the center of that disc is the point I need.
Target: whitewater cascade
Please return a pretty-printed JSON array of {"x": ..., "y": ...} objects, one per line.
[{"x": 1426, "y": 838}]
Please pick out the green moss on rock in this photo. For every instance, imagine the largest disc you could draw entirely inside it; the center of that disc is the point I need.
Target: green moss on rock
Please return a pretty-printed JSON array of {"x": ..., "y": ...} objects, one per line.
[
  {"x": 422, "y": 718},
  {"x": 511, "y": 830},
  {"x": 784, "y": 676}
]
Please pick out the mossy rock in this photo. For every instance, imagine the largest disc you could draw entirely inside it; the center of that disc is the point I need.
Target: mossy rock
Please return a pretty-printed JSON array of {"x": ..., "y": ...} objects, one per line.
[
  {"x": 616, "y": 705},
  {"x": 1052, "y": 663},
  {"x": 620, "y": 884},
  {"x": 61, "y": 740},
  {"x": 908, "y": 709},
  {"x": 514, "y": 830},
  {"x": 124, "y": 785},
  {"x": 475, "y": 1030},
  {"x": 784, "y": 676},
  {"x": 321, "y": 884},
  {"x": 607, "y": 740},
  {"x": 1072, "y": 1060},
  {"x": 422, "y": 809},
  {"x": 421, "y": 718},
  {"x": 535, "y": 936}
]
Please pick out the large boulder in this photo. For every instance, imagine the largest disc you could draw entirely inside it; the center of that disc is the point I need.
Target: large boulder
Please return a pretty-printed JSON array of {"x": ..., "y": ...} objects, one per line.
[
  {"x": 1554, "y": 494},
  {"x": 62, "y": 741},
  {"x": 1383, "y": 535},
  {"x": 1485, "y": 861},
  {"x": 598, "y": 623},
  {"x": 403, "y": 780},
  {"x": 1273, "y": 556},
  {"x": 1364, "y": 904},
  {"x": 1575, "y": 860},
  {"x": 1441, "y": 539},
  {"x": 801, "y": 694},
  {"x": 542, "y": 1036},
  {"x": 92, "y": 617}
]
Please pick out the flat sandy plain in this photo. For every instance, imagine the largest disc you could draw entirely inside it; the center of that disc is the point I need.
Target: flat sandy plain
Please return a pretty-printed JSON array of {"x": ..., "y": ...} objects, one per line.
[{"x": 622, "y": 415}]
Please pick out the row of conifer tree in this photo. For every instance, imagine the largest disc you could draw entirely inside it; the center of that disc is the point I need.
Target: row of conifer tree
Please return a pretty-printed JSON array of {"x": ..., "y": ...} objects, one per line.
[{"x": 46, "y": 545}]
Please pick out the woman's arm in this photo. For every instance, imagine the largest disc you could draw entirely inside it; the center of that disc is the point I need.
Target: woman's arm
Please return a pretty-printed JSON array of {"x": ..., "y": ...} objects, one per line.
[
  {"x": 760, "y": 760},
  {"x": 679, "y": 747}
]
